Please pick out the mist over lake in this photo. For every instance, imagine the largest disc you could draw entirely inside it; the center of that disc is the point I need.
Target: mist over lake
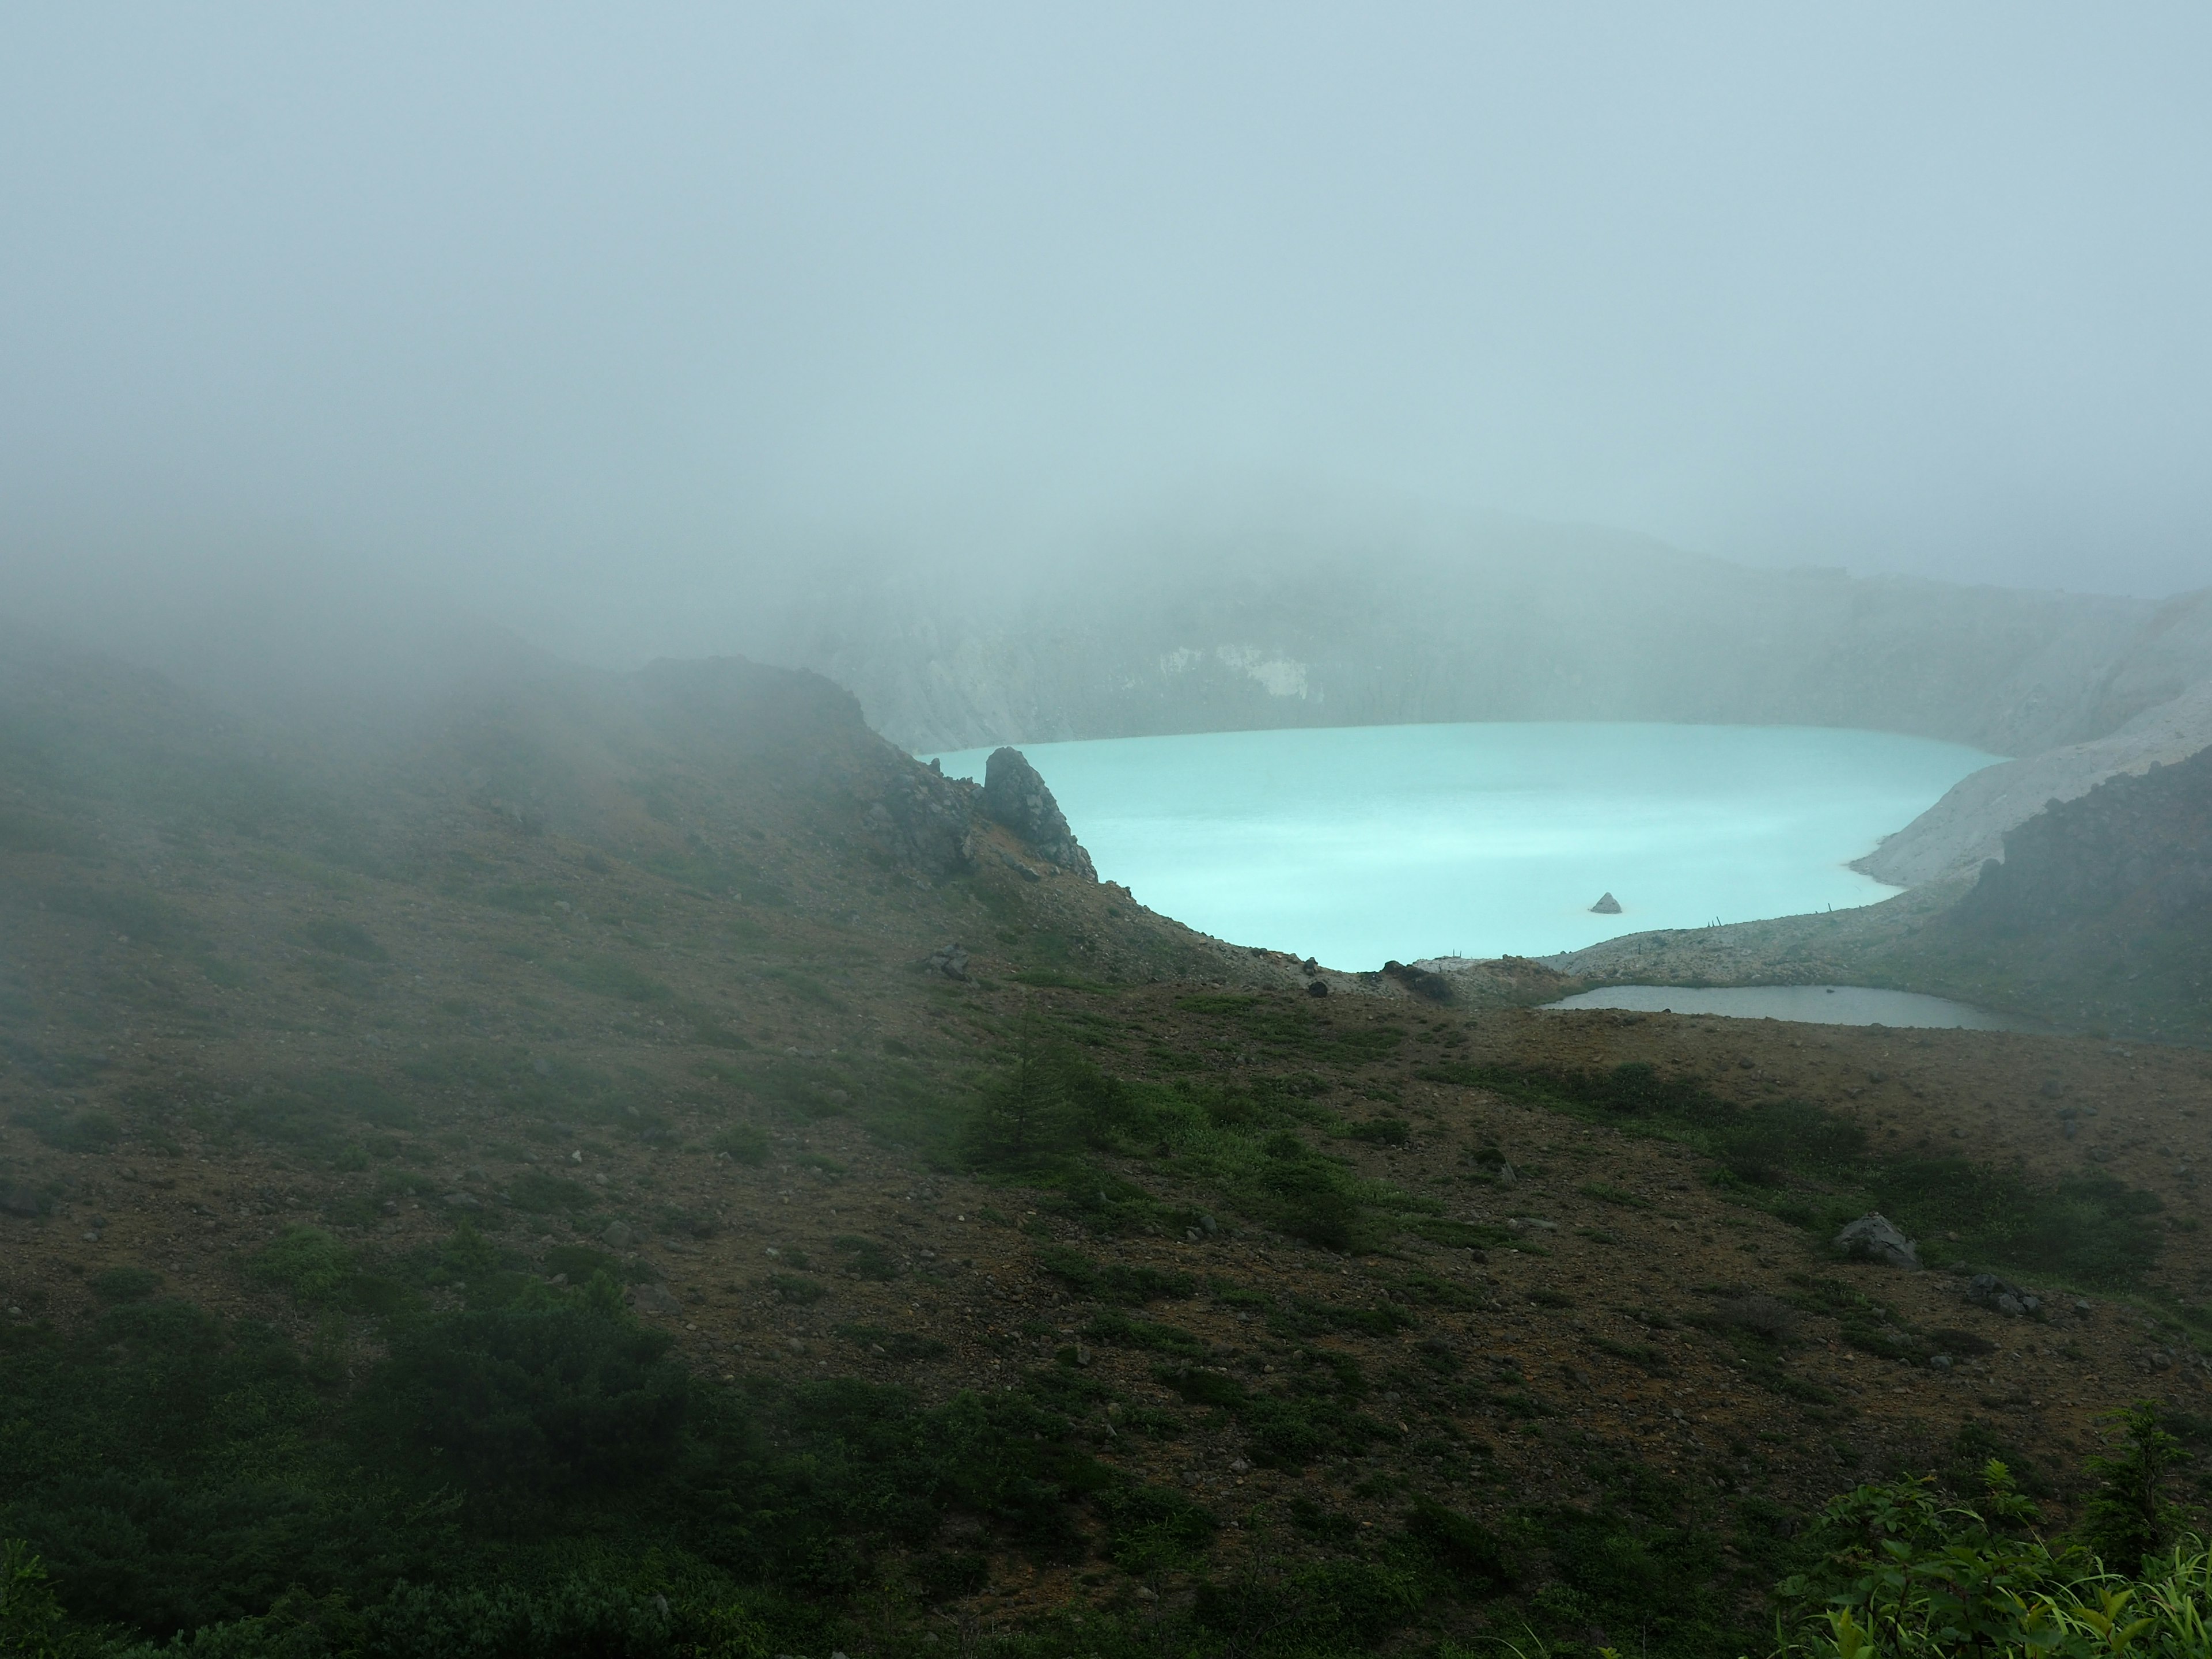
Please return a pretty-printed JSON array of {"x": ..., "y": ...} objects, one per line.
[{"x": 1355, "y": 845}]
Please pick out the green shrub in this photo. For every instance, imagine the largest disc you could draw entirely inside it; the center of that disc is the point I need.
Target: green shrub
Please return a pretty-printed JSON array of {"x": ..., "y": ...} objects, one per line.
[
  {"x": 898, "y": 1345},
  {"x": 610, "y": 976},
  {"x": 1151, "y": 1529},
  {"x": 547, "y": 1400},
  {"x": 342, "y": 939},
  {"x": 1900, "y": 1575},
  {"x": 1305, "y": 1196},
  {"x": 69, "y": 1132},
  {"x": 310, "y": 1266},
  {"x": 140, "y": 915},
  {"x": 1119, "y": 1329},
  {"x": 538, "y": 1193},
  {"x": 1130, "y": 1286},
  {"x": 22, "y": 832},
  {"x": 125, "y": 1284},
  {"x": 743, "y": 1143},
  {"x": 2129, "y": 1518},
  {"x": 1381, "y": 1131},
  {"x": 1473, "y": 1555},
  {"x": 866, "y": 1258},
  {"x": 31, "y": 1620}
]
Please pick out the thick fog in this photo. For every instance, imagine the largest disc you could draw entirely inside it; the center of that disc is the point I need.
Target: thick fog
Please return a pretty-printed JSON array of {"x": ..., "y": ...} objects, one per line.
[{"x": 604, "y": 323}]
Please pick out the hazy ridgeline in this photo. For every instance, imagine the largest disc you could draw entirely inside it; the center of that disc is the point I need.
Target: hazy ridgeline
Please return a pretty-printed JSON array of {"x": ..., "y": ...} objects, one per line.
[{"x": 1271, "y": 623}]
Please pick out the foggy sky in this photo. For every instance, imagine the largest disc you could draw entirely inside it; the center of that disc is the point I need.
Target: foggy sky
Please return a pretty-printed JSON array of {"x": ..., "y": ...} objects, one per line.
[{"x": 591, "y": 317}]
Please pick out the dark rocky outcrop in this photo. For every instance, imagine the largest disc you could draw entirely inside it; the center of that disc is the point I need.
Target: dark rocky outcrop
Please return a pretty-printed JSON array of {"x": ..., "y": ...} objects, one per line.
[
  {"x": 1017, "y": 797},
  {"x": 2141, "y": 844},
  {"x": 926, "y": 821},
  {"x": 2100, "y": 914},
  {"x": 1421, "y": 981}
]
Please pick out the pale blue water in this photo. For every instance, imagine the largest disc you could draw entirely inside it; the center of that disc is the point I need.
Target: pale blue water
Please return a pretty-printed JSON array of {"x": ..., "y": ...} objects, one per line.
[
  {"x": 1357, "y": 844},
  {"x": 1812, "y": 1004}
]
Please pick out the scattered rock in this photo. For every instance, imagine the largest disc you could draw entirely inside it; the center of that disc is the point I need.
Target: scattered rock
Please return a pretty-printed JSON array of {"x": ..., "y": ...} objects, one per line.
[
  {"x": 1607, "y": 905},
  {"x": 949, "y": 960},
  {"x": 619, "y": 1237},
  {"x": 1874, "y": 1237},
  {"x": 653, "y": 1298},
  {"x": 1016, "y": 796},
  {"x": 1999, "y": 1296},
  {"x": 463, "y": 1201}
]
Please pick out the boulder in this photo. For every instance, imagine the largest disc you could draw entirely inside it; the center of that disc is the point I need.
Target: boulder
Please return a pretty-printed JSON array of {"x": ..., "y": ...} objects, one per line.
[
  {"x": 949, "y": 960},
  {"x": 619, "y": 1237},
  {"x": 1988, "y": 1291},
  {"x": 653, "y": 1298},
  {"x": 1874, "y": 1237},
  {"x": 1016, "y": 796},
  {"x": 1318, "y": 988},
  {"x": 1607, "y": 905}
]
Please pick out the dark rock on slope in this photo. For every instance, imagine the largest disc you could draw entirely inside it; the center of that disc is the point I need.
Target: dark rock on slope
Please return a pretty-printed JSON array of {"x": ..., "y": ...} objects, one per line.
[{"x": 1017, "y": 797}]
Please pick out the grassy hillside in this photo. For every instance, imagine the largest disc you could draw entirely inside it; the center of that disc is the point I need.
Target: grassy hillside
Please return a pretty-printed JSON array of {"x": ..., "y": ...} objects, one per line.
[{"x": 529, "y": 1184}]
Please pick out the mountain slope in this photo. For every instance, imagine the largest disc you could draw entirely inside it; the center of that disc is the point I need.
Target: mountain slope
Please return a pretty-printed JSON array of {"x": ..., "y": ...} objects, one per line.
[{"x": 549, "y": 1157}]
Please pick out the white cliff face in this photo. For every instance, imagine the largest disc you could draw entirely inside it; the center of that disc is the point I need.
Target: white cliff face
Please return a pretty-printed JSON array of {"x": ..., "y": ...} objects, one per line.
[{"x": 1278, "y": 677}]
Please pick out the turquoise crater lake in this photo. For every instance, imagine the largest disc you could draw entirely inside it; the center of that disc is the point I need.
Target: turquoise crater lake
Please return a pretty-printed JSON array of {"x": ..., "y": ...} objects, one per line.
[{"x": 1357, "y": 844}]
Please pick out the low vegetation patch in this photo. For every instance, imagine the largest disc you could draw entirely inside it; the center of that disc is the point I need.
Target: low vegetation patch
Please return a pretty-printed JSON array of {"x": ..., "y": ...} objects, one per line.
[{"x": 1815, "y": 1170}]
